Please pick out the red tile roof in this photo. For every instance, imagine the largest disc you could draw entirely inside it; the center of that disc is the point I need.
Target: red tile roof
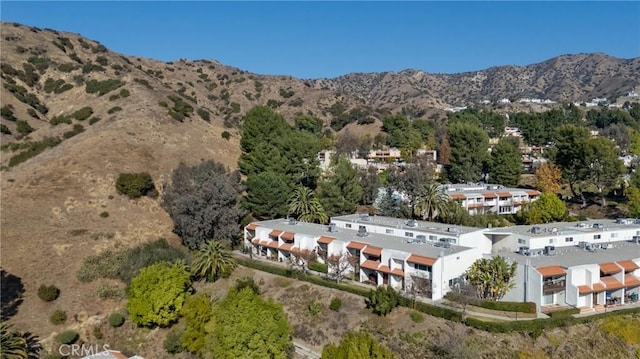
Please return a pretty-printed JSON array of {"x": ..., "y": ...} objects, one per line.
[
  {"x": 504, "y": 194},
  {"x": 325, "y": 240},
  {"x": 631, "y": 280},
  {"x": 584, "y": 289},
  {"x": 489, "y": 195},
  {"x": 252, "y": 226},
  {"x": 255, "y": 241},
  {"x": 610, "y": 268},
  {"x": 628, "y": 265},
  {"x": 598, "y": 287},
  {"x": 373, "y": 251},
  {"x": 273, "y": 244},
  {"x": 275, "y": 233},
  {"x": 456, "y": 196},
  {"x": 286, "y": 247},
  {"x": 611, "y": 283},
  {"x": 397, "y": 271},
  {"x": 533, "y": 193},
  {"x": 551, "y": 271},
  {"x": 288, "y": 236},
  {"x": 373, "y": 265},
  {"x": 356, "y": 245},
  {"x": 427, "y": 261},
  {"x": 384, "y": 269}
]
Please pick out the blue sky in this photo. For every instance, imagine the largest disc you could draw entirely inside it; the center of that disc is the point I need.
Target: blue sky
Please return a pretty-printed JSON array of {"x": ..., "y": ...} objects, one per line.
[{"x": 328, "y": 39}]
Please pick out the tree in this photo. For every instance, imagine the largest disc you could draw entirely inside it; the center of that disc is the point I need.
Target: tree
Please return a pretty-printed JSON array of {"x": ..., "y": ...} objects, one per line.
[
  {"x": 310, "y": 124},
  {"x": 213, "y": 261},
  {"x": 15, "y": 344},
  {"x": 300, "y": 259},
  {"x": 135, "y": 185},
  {"x": 548, "y": 178},
  {"x": 411, "y": 180},
  {"x": 605, "y": 168},
  {"x": 370, "y": 184},
  {"x": 346, "y": 144},
  {"x": 157, "y": 294},
  {"x": 340, "y": 265},
  {"x": 383, "y": 300},
  {"x": 570, "y": 157},
  {"x": 341, "y": 193},
  {"x": 246, "y": 326},
  {"x": 267, "y": 194},
  {"x": 431, "y": 203},
  {"x": 492, "y": 278},
  {"x": 203, "y": 202},
  {"x": 197, "y": 312},
  {"x": 547, "y": 208},
  {"x": 306, "y": 207},
  {"x": 469, "y": 144},
  {"x": 506, "y": 162},
  {"x": 11, "y": 294},
  {"x": 633, "y": 201},
  {"x": 360, "y": 345}
]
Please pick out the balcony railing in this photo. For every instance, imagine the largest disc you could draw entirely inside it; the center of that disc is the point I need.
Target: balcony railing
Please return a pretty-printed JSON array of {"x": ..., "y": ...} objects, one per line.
[{"x": 554, "y": 286}]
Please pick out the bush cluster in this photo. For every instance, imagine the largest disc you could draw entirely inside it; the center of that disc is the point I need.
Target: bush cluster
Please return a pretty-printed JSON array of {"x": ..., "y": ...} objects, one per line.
[
  {"x": 115, "y": 320},
  {"x": 34, "y": 149},
  {"x": 58, "y": 317},
  {"x": 335, "y": 304},
  {"x": 56, "y": 86},
  {"x": 135, "y": 185},
  {"x": 77, "y": 128},
  {"x": 67, "y": 337},
  {"x": 23, "y": 127},
  {"x": 417, "y": 317},
  {"x": 83, "y": 113},
  {"x": 48, "y": 293},
  {"x": 564, "y": 312},
  {"x": 102, "y": 87},
  {"x": 319, "y": 267},
  {"x": 315, "y": 307},
  {"x": 110, "y": 292},
  {"x": 60, "y": 119},
  {"x": 522, "y": 307}
]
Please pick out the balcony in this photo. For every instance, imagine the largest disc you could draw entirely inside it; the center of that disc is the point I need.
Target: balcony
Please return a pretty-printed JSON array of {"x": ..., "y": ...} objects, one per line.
[{"x": 557, "y": 285}]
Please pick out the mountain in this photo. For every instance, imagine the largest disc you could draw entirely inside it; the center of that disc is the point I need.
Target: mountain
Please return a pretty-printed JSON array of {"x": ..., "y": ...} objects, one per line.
[
  {"x": 75, "y": 115},
  {"x": 565, "y": 78}
]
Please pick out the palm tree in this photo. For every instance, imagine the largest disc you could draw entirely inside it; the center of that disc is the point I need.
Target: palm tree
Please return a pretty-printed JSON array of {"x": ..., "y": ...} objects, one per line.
[
  {"x": 431, "y": 202},
  {"x": 212, "y": 261},
  {"x": 17, "y": 345},
  {"x": 306, "y": 206},
  {"x": 492, "y": 278}
]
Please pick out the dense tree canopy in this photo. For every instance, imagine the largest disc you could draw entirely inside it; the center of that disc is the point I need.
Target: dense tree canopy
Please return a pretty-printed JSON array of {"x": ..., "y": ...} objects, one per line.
[
  {"x": 469, "y": 144},
  {"x": 548, "y": 178},
  {"x": 570, "y": 153},
  {"x": 267, "y": 195},
  {"x": 197, "y": 312},
  {"x": 605, "y": 168},
  {"x": 360, "y": 345},
  {"x": 157, "y": 294},
  {"x": 245, "y": 325},
  {"x": 341, "y": 192},
  {"x": 203, "y": 202},
  {"x": 547, "y": 208},
  {"x": 506, "y": 162},
  {"x": 305, "y": 206}
]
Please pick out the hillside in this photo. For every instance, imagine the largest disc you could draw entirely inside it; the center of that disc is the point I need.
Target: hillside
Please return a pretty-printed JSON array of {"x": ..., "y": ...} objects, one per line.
[{"x": 75, "y": 115}]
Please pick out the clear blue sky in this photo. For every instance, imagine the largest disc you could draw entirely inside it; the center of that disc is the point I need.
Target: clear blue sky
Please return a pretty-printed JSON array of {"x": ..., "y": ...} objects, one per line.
[{"x": 328, "y": 39}]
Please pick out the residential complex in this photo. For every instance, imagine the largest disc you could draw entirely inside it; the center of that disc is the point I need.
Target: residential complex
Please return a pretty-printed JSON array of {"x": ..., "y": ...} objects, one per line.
[
  {"x": 581, "y": 264},
  {"x": 480, "y": 198}
]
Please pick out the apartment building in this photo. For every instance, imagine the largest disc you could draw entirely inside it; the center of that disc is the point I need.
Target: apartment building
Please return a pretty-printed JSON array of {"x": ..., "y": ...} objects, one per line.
[
  {"x": 480, "y": 198},
  {"x": 431, "y": 267}
]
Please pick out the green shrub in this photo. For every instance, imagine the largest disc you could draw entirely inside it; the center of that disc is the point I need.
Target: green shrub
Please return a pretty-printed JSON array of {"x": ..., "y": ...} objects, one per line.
[
  {"x": 204, "y": 114},
  {"x": 522, "y": 307},
  {"x": 124, "y": 93},
  {"x": 48, "y": 293},
  {"x": 57, "y": 120},
  {"x": 163, "y": 104},
  {"x": 115, "y": 320},
  {"x": 564, "y": 312},
  {"x": 286, "y": 93},
  {"x": 246, "y": 282},
  {"x": 33, "y": 113},
  {"x": 77, "y": 128},
  {"x": 144, "y": 83},
  {"x": 102, "y": 87},
  {"x": 83, "y": 113},
  {"x": 172, "y": 343},
  {"x": 114, "y": 110},
  {"x": 34, "y": 149},
  {"x": 104, "y": 214},
  {"x": 102, "y": 60},
  {"x": 315, "y": 307},
  {"x": 6, "y": 112},
  {"x": 23, "y": 127},
  {"x": 97, "y": 333},
  {"x": 417, "y": 317},
  {"x": 68, "y": 67},
  {"x": 335, "y": 304},
  {"x": 106, "y": 291},
  {"x": 135, "y": 185},
  {"x": 93, "y": 120},
  {"x": 4, "y": 129},
  {"x": 226, "y": 135},
  {"x": 58, "y": 317},
  {"x": 383, "y": 300},
  {"x": 318, "y": 267},
  {"x": 67, "y": 337}
]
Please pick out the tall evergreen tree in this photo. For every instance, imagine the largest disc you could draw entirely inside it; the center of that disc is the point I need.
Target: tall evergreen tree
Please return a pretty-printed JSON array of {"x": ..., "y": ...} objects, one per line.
[
  {"x": 506, "y": 162},
  {"x": 341, "y": 193},
  {"x": 469, "y": 149},
  {"x": 267, "y": 195}
]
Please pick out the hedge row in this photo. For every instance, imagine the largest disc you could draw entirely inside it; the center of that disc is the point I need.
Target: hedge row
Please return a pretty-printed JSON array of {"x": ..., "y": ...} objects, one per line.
[{"x": 521, "y": 307}]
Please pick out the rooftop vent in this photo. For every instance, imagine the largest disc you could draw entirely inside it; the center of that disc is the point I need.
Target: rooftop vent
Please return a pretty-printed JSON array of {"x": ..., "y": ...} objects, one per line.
[
  {"x": 523, "y": 251},
  {"x": 598, "y": 225},
  {"x": 292, "y": 221},
  {"x": 536, "y": 230},
  {"x": 365, "y": 217},
  {"x": 453, "y": 230},
  {"x": 549, "y": 250},
  {"x": 332, "y": 227},
  {"x": 412, "y": 223},
  {"x": 362, "y": 232}
]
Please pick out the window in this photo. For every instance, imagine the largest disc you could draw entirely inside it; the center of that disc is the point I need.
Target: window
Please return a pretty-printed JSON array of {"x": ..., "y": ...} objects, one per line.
[
  {"x": 522, "y": 241},
  {"x": 505, "y": 209},
  {"x": 389, "y": 231},
  {"x": 423, "y": 267},
  {"x": 408, "y": 234},
  {"x": 433, "y": 238},
  {"x": 568, "y": 239},
  {"x": 504, "y": 198},
  {"x": 348, "y": 225},
  {"x": 596, "y": 236}
]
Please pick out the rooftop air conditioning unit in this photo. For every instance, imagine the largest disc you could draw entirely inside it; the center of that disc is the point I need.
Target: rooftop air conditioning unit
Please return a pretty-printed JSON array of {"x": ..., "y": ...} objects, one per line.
[
  {"x": 365, "y": 217},
  {"x": 452, "y": 230},
  {"x": 332, "y": 227},
  {"x": 598, "y": 225},
  {"x": 523, "y": 251},
  {"x": 536, "y": 230},
  {"x": 549, "y": 250},
  {"x": 411, "y": 223},
  {"x": 292, "y": 221}
]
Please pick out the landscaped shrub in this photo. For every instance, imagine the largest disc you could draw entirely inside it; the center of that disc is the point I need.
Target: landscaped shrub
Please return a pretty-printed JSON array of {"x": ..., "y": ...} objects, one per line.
[
  {"x": 58, "y": 317},
  {"x": 335, "y": 304},
  {"x": 247, "y": 282},
  {"x": 67, "y": 337},
  {"x": 417, "y": 317},
  {"x": 115, "y": 320},
  {"x": 383, "y": 300},
  {"x": 564, "y": 312},
  {"x": 318, "y": 267},
  {"x": 135, "y": 185},
  {"x": 48, "y": 293},
  {"x": 522, "y": 307}
]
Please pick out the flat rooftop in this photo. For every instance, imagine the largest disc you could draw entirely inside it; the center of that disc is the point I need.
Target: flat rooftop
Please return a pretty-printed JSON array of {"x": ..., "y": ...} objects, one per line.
[
  {"x": 480, "y": 188},
  {"x": 375, "y": 239},
  {"x": 422, "y": 226},
  {"x": 567, "y": 228},
  {"x": 574, "y": 256}
]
